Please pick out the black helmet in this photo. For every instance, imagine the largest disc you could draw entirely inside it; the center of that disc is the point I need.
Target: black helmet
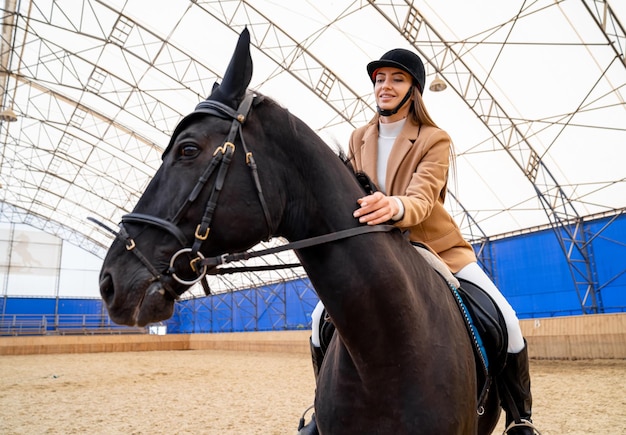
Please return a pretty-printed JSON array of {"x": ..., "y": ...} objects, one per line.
[{"x": 403, "y": 59}]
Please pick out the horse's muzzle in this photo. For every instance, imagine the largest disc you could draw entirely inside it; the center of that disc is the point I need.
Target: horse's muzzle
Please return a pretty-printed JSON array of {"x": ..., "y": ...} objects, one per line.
[{"x": 138, "y": 304}]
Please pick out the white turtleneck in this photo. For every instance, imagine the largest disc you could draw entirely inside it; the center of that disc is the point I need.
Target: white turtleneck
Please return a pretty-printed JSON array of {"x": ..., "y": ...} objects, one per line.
[{"x": 387, "y": 134}]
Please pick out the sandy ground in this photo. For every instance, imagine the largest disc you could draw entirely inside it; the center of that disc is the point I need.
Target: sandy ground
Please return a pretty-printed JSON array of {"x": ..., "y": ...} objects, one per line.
[{"x": 225, "y": 392}]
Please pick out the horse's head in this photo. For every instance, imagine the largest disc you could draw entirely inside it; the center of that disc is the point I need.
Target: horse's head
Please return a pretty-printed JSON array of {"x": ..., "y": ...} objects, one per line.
[{"x": 157, "y": 253}]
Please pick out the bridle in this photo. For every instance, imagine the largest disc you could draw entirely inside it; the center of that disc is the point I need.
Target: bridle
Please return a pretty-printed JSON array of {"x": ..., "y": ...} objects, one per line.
[{"x": 221, "y": 162}]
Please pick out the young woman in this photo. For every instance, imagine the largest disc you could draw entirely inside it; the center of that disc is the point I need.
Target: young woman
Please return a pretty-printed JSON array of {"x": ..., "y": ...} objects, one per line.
[{"x": 408, "y": 157}]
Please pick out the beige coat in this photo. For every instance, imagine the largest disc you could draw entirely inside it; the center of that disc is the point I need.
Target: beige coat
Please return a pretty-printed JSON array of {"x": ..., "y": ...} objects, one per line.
[{"x": 417, "y": 173}]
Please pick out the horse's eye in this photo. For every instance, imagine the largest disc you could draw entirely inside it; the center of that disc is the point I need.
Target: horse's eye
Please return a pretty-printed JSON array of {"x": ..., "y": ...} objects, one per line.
[{"x": 189, "y": 150}]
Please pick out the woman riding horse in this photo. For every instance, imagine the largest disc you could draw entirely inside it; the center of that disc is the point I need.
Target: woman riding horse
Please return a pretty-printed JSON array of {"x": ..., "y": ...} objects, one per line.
[
  {"x": 241, "y": 169},
  {"x": 407, "y": 156}
]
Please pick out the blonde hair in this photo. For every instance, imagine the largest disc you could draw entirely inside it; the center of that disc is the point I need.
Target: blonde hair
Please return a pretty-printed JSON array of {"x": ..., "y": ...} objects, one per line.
[
  {"x": 419, "y": 115},
  {"x": 418, "y": 110}
]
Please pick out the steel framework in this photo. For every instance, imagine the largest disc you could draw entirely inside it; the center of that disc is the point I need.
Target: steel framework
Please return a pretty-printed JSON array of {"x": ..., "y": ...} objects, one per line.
[{"x": 97, "y": 92}]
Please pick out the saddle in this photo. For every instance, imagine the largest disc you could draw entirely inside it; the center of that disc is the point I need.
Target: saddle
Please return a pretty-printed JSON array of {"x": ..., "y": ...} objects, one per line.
[
  {"x": 487, "y": 320},
  {"x": 483, "y": 319}
]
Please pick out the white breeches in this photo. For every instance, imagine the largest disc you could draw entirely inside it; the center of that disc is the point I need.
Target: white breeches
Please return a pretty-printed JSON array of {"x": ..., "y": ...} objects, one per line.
[
  {"x": 472, "y": 272},
  {"x": 316, "y": 317}
]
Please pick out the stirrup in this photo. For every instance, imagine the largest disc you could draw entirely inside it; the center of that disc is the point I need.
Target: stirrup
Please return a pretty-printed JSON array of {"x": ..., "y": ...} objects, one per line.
[
  {"x": 302, "y": 419},
  {"x": 522, "y": 423}
]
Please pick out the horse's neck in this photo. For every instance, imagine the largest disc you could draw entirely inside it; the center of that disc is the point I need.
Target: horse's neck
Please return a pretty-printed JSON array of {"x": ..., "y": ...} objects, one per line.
[
  {"x": 322, "y": 204},
  {"x": 377, "y": 290}
]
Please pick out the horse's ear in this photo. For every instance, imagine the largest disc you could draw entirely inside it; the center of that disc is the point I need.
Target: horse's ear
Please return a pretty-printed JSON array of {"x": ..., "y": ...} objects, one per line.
[{"x": 238, "y": 74}]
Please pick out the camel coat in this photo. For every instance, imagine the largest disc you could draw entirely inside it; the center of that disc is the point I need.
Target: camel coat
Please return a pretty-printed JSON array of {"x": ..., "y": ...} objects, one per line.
[{"x": 417, "y": 173}]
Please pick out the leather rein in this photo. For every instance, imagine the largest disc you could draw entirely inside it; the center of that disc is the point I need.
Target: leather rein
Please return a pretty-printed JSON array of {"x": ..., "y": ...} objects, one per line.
[{"x": 220, "y": 161}]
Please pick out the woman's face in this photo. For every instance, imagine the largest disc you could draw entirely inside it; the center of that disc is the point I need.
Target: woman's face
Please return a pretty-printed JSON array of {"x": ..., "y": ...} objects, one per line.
[{"x": 390, "y": 87}]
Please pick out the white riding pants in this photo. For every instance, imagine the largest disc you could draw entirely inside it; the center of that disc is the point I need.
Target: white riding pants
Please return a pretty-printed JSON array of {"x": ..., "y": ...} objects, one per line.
[{"x": 473, "y": 273}]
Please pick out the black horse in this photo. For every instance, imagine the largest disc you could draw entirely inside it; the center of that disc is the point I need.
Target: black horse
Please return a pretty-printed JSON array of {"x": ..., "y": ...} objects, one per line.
[{"x": 241, "y": 169}]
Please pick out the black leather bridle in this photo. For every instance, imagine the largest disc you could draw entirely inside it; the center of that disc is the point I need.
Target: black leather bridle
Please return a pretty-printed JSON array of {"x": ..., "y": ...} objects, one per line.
[{"x": 220, "y": 161}]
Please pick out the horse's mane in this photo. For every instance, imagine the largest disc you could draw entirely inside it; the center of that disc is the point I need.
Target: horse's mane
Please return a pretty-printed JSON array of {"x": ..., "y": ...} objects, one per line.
[{"x": 364, "y": 180}]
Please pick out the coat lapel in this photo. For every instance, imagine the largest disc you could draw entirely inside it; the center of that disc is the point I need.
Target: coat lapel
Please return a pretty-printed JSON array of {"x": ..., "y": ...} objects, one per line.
[{"x": 401, "y": 147}]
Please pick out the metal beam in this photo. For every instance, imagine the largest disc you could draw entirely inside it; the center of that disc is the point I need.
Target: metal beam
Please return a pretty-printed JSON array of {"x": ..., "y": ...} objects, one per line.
[{"x": 610, "y": 25}]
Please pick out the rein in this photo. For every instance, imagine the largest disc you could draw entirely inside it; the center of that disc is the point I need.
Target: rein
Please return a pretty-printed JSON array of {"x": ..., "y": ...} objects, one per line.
[
  {"x": 220, "y": 161},
  {"x": 300, "y": 244},
  {"x": 213, "y": 262}
]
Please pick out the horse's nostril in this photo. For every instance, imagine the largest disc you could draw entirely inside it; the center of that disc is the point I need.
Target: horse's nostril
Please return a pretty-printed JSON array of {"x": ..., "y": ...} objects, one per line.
[{"x": 106, "y": 288}]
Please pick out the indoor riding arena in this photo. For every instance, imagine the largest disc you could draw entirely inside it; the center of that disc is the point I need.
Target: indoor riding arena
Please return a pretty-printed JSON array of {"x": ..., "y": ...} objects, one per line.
[{"x": 531, "y": 93}]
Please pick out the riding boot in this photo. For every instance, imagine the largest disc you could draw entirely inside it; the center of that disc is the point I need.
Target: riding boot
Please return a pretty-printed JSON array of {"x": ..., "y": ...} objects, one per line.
[
  {"x": 316, "y": 357},
  {"x": 515, "y": 395},
  {"x": 310, "y": 428}
]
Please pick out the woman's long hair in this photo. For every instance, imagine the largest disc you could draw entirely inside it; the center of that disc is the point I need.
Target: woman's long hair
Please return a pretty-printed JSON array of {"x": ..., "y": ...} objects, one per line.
[{"x": 419, "y": 115}]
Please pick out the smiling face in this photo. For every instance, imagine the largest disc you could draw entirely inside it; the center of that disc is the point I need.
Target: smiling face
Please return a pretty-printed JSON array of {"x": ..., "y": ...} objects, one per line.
[{"x": 390, "y": 87}]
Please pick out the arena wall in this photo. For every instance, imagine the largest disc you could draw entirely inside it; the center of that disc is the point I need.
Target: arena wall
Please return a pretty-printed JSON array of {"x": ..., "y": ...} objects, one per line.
[
  {"x": 601, "y": 336},
  {"x": 595, "y": 336}
]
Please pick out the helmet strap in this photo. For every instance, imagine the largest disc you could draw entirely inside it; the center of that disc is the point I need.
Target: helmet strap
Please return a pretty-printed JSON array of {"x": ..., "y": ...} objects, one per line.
[{"x": 390, "y": 112}]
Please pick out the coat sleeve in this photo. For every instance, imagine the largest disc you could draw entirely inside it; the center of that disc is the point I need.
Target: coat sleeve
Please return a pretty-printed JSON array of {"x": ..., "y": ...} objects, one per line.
[{"x": 426, "y": 174}]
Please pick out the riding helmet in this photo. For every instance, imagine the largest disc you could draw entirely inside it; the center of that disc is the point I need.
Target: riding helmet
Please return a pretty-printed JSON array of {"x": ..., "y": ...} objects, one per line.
[{"x": 403, "y": 59}]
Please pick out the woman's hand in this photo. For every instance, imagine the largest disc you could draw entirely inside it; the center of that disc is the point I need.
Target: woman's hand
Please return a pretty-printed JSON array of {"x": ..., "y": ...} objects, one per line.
[{"x": 376, "y": 208}]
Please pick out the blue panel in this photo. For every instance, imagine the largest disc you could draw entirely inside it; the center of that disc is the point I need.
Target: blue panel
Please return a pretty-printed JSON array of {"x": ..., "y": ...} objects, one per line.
[
  {"x": 202, "y": 320},
  {"x": 276, "y": 307},
  {"x": 181, "y": 320},
  {"x": 301, "y": 301},
  {"x": 35, "y": 306},
  {"x": 222, "y": 309},
  {"x": 609, "y": 251},
  {"x": 272, "y": 313},
  {"x": 58, "y": 314},
  {"x": 531, "y": 270},
  {"x": 533, "y": 274},
  {"x": 246, "y": 303},
  {"x": 80, "y": 306}
]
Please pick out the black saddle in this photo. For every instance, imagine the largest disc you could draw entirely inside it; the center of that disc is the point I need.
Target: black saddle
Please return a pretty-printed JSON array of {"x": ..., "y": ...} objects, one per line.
[{"x": 488, "y": 321}]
